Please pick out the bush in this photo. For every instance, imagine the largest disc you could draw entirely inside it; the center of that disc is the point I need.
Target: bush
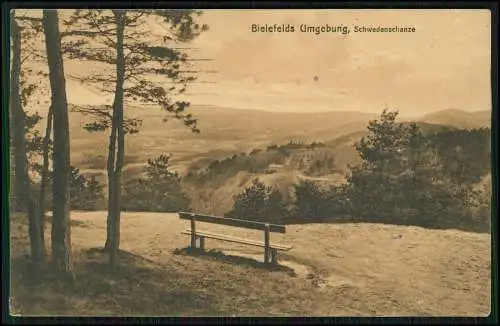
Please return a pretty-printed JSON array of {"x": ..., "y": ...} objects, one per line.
[
  {"x": 315, "y": 202},
  {"x": 407, "y": 177},
  {"x": 260, "y": 203},
  {"x": 86, "y": 193},
  {"x": 159, "y": 190}
]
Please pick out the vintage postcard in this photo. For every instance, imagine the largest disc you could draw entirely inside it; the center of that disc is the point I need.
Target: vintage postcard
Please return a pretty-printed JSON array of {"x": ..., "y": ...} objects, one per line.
[{"x": 250, "y": 162}]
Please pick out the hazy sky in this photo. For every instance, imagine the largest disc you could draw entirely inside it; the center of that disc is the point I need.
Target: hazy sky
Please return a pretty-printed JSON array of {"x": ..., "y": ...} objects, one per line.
[{"x": 444, "y": 64}]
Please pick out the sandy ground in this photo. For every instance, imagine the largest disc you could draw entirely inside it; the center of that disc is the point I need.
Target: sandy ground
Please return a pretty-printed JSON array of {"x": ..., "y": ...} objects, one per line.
[{"x": 364, "y": 268}]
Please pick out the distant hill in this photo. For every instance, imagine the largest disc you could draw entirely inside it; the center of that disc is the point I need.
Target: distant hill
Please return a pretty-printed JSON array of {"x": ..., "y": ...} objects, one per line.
[
  {"x": 226, "y": 131},
  {"x": 343, "y": 146},
  {"x": 223, "y": 132},
  {"x": 212, "y": 183},
  {"x": 459, "y": 118}
]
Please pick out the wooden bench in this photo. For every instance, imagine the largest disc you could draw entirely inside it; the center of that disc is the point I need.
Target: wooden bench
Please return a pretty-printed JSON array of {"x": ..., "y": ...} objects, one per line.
[{"x": 270, "y": 249}]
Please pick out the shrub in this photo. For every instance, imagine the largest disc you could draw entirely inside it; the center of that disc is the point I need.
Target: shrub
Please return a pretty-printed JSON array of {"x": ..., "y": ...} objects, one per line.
[
  {"x": 86, "y": 193},
  {"x": 315, "y": 202},
  {"x": 159, "y": 190},
  {"x": 259, "y": 202},
  {"x": 407, "y": 177}
]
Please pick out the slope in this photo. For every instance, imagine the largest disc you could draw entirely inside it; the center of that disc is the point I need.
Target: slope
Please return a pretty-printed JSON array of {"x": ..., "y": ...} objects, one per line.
[{"x": 459, "y": 118}]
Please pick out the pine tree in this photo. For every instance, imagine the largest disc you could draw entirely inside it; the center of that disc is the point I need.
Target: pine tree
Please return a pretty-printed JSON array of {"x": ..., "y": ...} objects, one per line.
[
  {"x": 61, "y": 231},
  {"x": 258, "y": 202},
  {"x": 117, "y": 39},
  {"x": 159, "y": 190},
  {"x": 18, "y": 127}
]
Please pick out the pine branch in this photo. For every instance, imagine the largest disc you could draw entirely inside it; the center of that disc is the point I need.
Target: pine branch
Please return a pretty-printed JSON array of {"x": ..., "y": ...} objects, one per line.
[
  {"x": 97, "y": 111},
  {"x": 103, "y": 34},
  {"x": 86, "y": 33},
  {"x": 142, "y": 59}
]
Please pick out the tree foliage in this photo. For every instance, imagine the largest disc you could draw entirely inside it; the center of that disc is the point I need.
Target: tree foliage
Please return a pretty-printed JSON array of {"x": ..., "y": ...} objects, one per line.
[
  {"x": 259, "y": 202},
  {"x": 140, "y": 65},
  {"x": 408, "y": 178},
  {"x": 86, "y": 193},
  {"x": 159, "y": 190},
  {"x": 314, "y": 201},
  {"x": 465, "y": 154},
  {"x": 91, "y": 35}
]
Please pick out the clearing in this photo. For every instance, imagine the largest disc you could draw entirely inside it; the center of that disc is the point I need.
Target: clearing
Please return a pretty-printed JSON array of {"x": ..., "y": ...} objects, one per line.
[{"x": 332, "y": 270}]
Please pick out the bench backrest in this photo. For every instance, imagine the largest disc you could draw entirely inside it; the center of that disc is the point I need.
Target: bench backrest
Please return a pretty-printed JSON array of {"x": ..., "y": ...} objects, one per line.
[{"x": 232, "y": 222}]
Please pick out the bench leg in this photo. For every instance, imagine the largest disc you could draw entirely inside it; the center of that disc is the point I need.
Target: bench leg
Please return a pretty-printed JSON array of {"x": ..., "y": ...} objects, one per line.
[
  {"x": 271, "y": 256},
  {"x": 193, "y": 241},
  {"x": 202, "y": 243},
  {"x": 274, "y": 256}
]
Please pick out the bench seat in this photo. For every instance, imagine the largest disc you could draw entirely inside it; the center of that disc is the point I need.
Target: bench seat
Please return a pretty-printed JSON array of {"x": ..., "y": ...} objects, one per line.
[{"x": 223, "y": 237}]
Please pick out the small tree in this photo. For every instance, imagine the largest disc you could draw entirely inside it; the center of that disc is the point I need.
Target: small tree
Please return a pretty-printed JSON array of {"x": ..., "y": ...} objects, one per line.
[
  {"x": 258, "y": 202},
  {"x": 403, "y": 179},
  {"x": 86, "y": 193},
  {"x": 312, "y": 201},
  {"x": 159, "y": 190},
  {"x": 465, "y": 154}
]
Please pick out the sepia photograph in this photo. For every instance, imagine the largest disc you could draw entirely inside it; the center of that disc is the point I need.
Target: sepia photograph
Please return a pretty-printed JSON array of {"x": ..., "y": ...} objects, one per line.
[{"x": 250, "y": 163}]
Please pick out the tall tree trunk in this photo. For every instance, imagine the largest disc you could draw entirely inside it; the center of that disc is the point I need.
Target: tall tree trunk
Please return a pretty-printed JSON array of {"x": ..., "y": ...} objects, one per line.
[
  {"x": 45, "y": 172},
  {"x": 61, "y": 230},
  {"x": 111, "y": 178},
  {"x": 22, "y": 179},
  {"x": 118, "y": 107}
]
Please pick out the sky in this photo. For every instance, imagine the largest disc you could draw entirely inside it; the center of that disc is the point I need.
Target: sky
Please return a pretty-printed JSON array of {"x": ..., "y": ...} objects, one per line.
[{"x": 444, "y": 64}]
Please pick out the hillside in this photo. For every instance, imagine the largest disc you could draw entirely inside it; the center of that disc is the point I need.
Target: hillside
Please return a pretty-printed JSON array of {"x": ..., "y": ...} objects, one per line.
[
  {"x": 223, "y": 132},
  {"x": 346, "y": 154},
  {"x": 459, "y": 119},
  {"x": 212, "y": 183},
  {"x": 332, "y": 270},
  {"x": 228, "y": 133}
]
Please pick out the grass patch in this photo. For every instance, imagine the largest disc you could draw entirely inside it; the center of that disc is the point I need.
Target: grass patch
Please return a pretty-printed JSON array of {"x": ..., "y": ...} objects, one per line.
[
  {"x": 138, "y": 287},
  {"x": 180, "y": 283}
]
